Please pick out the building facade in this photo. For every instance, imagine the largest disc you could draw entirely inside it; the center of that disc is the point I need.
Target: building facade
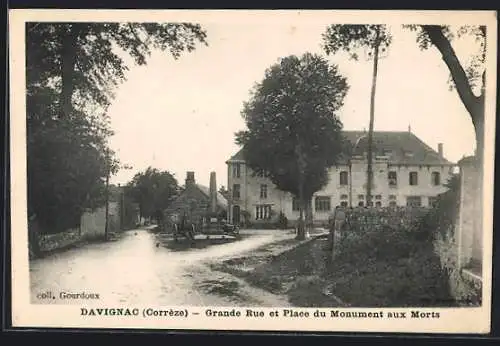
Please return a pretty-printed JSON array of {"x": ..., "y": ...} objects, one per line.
[
  {"x": 406, "y": 171},
  {"x": 198, "y": 202}
]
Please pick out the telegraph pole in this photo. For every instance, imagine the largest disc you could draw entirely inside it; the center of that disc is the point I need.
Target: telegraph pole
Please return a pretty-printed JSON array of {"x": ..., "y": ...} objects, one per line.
[
  {"x": 107, "y": 199},
  {"x": 369, "y": 186}
]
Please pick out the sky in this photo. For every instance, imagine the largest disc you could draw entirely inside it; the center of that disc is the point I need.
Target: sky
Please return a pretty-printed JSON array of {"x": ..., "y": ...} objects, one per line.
[{"x": 181, "y": 115}]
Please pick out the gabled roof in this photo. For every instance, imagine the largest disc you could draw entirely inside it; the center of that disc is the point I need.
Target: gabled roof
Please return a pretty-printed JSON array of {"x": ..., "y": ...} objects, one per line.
[
  {"x": 221, "y": 200},
  {"x": 237, "y": 157},
  {"x": 401, "y": 147}
]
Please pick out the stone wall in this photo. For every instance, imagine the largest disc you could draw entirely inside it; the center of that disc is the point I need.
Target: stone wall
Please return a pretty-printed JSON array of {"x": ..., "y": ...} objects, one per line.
[
  {"x": 349, "y": 223},
  {"x": 469, "y": 228},
  {"x": 92, "y": 226},
  {"x": 460, "y": 250}
]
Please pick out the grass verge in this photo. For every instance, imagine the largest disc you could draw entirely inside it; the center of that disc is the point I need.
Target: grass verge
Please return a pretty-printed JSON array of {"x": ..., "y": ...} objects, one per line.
[{"x": 363, "y": 276}]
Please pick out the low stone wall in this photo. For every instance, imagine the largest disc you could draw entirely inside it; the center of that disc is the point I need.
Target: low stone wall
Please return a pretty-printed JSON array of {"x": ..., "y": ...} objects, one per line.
[
  {"x": 349, "y": 224},
  {"x": 92, "y": 227}
]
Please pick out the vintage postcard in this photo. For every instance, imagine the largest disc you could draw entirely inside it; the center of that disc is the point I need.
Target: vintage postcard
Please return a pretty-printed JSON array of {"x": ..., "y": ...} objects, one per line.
[{"x": 253, "y": 170}]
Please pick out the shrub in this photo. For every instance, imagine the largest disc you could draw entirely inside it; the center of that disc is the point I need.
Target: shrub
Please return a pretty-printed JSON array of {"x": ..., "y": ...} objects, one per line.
[{"x": 282, "y": 221}]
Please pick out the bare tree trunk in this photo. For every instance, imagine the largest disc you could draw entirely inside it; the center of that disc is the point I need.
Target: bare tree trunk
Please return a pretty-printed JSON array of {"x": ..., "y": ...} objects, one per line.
[
  {"x": 68, "y": 64},
  {"x": 308, "y": 216},
  {"x": 106, "y": 224},
  {"x": 301, "y": 233},
  {"x": 474, "y": 104},
  {"x": 369, "y": 173}
]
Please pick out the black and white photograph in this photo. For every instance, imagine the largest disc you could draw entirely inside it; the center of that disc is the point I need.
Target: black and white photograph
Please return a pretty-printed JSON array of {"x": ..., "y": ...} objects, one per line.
[{"x": 262, "y": 170}]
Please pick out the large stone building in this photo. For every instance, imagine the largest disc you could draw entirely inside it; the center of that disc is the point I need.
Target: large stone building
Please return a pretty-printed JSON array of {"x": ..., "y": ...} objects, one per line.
[{"x": 406, "y": 171}]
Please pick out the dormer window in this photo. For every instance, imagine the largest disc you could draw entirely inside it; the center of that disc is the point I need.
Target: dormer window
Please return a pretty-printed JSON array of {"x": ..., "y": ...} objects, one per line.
[
  {"x": 236, "y": 170},
  {"x": 408, "y": 154}
]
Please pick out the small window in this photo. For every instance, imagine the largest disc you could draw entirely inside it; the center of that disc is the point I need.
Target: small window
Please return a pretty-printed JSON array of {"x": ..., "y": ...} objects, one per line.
[
  {"x": 295, "y": 204},
  {"x": 236, "y": 191},
  {"x": 322, "y": 203},
  {"x": 361, "y": 197},
  {"x": 392, "y": 204},
  {"x": 413, "y": 178},
  {"x": 263, "y": 191},
  {"x": 344, "y": 178},
  {"x": 392, "y": 176},
  {"x": 436, "y": 178},
  {"x": 236, "y": 170},
  {"x": 392, "y": 197},
  {"x": 433, "y": 202},
  {"x": 378, "y": 197},
  {"x": 343, "y": 197},
  {"x": 378, "y": 204},
  {"x": 262, "y": 212},
  {"x": 343, "y": 204},
  {"x": 414, "y": 201},
  {"x": 360, "y": 204}
]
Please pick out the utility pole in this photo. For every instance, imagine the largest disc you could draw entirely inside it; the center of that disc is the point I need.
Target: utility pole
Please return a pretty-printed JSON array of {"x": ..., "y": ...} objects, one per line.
[
  {"x": 107, "y": 201},
  {"x": 369, "y": 184}
]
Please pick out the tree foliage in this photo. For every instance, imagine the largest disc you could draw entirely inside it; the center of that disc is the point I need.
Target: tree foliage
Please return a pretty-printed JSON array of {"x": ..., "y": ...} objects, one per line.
[
  {"x": 153, "y": 190},
  {"x": 293, "y": 134},
  {"x": 353, "y": 38},
  {"x": 84, "y": 58},
  {"x": 467, "y": 77},
  {"x": 72, "y": 70}
]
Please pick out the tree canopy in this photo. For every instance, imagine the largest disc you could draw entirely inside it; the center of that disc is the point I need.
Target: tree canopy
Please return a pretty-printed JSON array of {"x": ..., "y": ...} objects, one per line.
[
  {"x": 72, "y": 70},
  {"x": 153, "y": 190},
  {"x": 293, "y": 134}
]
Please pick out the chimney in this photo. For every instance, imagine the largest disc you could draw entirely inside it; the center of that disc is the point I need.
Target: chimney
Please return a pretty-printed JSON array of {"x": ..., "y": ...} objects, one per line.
[
  {"x": 440, "y": 149},
  {"x": 190, "y": 179},
  {"x": 213, "y": 193}
]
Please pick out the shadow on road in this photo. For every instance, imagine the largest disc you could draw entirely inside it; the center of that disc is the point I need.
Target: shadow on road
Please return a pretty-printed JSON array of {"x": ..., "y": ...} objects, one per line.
[{"x": 182, "y": 244}]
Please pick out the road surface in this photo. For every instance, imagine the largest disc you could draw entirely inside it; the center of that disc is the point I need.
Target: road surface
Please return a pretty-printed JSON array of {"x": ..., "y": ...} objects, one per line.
[{"x": 138, "y": 269}]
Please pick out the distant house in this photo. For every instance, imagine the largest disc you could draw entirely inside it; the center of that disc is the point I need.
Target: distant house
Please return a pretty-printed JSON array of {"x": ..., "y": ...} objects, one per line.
[
  {"x": 406, "y": 171},
  {"x": 199, "y": 202}
]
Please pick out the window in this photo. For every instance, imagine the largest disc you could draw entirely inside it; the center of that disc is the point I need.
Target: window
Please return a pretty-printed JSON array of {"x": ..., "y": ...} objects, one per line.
[
  {"x": 414, "y": 201},
  {"x": 261, "y": 174},
  {"x": 343, "y": 204},
  {"x": 378, "y": 197},
  {"x": 343, "y": 197},
  {"x": 413, "y": 178},
  {"x": 392, "y": 197},
  {"x": 262, "y": 212},
  {"x": 344, "y": 178},
  {"x": 393, "y": 178},
  {"x": 236, "y": 191},
  {"x": 432, "y": 202},
  {"x": 361, "y": 197},
  {"x": 360, "y": 203},
  {"x": 236, "y": 170},
  {"x": 295, "y": 204},
  {"x": 392, "y": 204},
  {"x": 436, "y": 178},
  {"x": 378, "y": 204},
  {"x": 263, "y": 191},
  {"x": 322, "y": 203}
]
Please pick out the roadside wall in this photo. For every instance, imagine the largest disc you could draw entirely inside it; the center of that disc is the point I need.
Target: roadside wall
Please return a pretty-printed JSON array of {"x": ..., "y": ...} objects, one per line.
[{"x": 92, "y": 227}]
